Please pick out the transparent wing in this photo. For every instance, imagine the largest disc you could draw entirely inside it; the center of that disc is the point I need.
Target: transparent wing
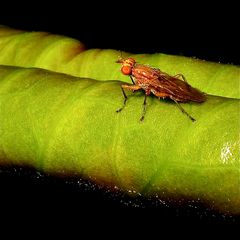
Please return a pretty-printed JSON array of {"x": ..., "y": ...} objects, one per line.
[{"x": 178, "y": 89}]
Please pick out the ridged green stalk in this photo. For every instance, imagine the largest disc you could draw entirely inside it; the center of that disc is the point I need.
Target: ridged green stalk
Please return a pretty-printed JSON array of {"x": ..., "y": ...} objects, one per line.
[
  {"x": 67, "y": 55},
  {"x": 64, "y": 125}
]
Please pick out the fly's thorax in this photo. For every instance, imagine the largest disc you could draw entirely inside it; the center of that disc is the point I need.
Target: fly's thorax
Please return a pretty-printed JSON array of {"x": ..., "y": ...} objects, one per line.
[
  {"x": 145, "y": 86},
  {"x": 144, "y": 72},
  {"x": 143, "y": 83}
]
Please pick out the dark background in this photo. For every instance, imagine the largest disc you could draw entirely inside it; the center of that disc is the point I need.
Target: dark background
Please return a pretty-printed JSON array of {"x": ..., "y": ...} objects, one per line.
[
  {"x": 191, "y": 29},
  {"x": 181, "y": 28}
]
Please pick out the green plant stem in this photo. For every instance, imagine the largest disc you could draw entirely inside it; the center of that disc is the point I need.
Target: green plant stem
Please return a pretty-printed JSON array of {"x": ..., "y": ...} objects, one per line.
[{"x": 66, "y": 125}]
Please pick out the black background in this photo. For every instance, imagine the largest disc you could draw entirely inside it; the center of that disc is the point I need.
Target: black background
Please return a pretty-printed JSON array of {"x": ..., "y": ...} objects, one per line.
[
  {"x": 181, "y": 28},
  {"x": 190, "y": 29}
]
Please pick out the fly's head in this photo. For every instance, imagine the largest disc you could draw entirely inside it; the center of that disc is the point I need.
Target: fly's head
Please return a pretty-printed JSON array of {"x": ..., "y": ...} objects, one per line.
[{"x": 127, "y": 65}]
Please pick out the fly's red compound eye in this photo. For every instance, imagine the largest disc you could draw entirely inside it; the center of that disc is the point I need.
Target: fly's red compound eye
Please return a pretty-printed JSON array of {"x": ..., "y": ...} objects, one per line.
[{"x": 126, "y": 70}]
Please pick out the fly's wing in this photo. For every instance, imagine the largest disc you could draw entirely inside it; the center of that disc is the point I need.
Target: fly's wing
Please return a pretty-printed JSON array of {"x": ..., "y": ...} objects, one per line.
[{"x": 177, "y": 89}]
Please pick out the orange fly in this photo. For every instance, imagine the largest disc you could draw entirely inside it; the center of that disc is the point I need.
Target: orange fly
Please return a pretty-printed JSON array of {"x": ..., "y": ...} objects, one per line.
[{"x": 153, "y": 80}]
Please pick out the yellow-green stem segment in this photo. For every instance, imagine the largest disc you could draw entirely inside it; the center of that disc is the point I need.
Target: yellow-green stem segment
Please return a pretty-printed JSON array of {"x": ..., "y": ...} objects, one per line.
[{"x": 64, "y": 125}]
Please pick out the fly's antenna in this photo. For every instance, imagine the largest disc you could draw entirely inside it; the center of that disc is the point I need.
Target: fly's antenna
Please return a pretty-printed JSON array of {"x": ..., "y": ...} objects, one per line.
[
  {"x": 121, "y": 55},
  {"x": 120, "y": 58}
]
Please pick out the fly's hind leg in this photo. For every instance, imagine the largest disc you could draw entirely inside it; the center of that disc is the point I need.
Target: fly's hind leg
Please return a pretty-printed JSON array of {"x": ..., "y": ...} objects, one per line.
[
  {"x": 181, "y": 77},
  {"x": 129, "y": 87},
  {"x": 183, "y": 111}
]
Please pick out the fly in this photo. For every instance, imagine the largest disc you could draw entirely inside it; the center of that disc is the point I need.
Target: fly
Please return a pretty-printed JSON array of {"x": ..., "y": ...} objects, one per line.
[{"x": 162, "y": 85}]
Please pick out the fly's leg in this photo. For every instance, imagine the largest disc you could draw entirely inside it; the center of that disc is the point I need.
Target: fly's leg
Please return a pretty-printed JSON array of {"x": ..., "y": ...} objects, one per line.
[
  {"x": 147, "y": 93},
  {"x": 125, "y": 100},
  {"x": 183, "y": 111},
  {"x": 129, "y": 87},
  {"x": 144, "y": 108},
  {"x": 179, "y": 75},
  {"x": 132, "y": 79}
]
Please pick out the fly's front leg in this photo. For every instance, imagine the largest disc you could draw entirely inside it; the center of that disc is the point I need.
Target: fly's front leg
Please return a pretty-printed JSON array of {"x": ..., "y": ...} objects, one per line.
[
  {"x": 129, "y": 87},
  {"x": 125, "y": 100},
  {"x": 132, "y": 79}
]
